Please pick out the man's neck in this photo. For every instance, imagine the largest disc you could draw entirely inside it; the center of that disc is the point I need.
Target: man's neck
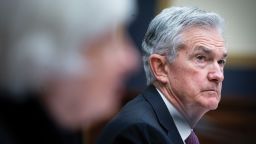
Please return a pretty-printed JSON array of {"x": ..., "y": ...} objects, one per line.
[
  {"x": 190, "y": 112},
  {"x": 181, "y": 123}
]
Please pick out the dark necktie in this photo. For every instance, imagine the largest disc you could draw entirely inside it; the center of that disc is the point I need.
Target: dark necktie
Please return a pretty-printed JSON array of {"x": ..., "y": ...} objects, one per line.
[{"x": 192, "y": 139}]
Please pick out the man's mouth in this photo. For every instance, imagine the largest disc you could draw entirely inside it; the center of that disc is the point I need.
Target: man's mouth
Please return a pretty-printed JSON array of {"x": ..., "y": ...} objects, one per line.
[{"x": 211, "y": 91}]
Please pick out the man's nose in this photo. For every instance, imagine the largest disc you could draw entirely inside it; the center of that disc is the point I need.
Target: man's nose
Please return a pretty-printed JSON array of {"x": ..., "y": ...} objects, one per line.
[{"x": 216, "y": 73}]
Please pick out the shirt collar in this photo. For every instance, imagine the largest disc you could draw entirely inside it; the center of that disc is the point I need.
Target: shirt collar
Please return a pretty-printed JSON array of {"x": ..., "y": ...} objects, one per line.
[{"x": 180, "y": 122}]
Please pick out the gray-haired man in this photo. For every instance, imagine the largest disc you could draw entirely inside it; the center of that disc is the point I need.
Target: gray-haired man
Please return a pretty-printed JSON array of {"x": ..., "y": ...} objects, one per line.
[{"x": 184, "y": 58}]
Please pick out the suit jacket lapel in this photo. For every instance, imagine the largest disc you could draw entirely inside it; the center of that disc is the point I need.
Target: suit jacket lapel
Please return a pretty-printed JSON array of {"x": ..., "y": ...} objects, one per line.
[{"x": 163, "y": 115}]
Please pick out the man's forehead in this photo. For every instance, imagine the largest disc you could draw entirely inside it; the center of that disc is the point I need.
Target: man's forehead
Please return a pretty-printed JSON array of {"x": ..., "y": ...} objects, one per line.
[
  {"x": 194, "y": 33},
  {"x": 195, "y": 37}
]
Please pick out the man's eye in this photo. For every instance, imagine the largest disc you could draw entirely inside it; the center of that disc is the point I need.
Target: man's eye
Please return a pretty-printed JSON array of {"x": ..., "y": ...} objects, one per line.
[
  {"x": 222, "y": 62},
  {"x": 200, "y": 58}
]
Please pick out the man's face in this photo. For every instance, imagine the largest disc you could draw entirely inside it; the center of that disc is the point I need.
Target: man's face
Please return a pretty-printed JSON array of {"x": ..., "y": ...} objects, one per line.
[{"x": 196, "y": 75}]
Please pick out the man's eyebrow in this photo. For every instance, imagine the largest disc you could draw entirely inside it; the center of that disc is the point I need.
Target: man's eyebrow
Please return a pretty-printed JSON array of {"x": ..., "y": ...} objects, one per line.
[
  {"x": 209, "y": 51},
  {"x": 203, "y": 49}
]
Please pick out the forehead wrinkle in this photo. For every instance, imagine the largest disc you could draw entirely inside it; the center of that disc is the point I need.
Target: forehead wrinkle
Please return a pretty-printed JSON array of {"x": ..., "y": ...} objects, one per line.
[
  {"x": 207, "y": 41},
  {"x": 201, "y": 37}
]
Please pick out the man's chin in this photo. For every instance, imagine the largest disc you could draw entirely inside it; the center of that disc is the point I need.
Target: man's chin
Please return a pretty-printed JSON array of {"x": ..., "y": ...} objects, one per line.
[{"x": 212, "y": 104}]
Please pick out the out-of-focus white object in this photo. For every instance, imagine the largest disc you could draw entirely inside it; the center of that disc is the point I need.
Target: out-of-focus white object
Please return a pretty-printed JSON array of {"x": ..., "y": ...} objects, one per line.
[{"x": 40, "y": 39}]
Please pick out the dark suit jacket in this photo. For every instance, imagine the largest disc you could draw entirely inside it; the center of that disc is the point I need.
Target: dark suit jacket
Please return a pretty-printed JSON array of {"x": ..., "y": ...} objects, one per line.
[{"x": 143, "y": 120}]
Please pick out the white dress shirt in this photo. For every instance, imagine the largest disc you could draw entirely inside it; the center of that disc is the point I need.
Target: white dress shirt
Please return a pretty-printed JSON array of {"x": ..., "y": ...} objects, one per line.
[{"x": 179, "y": 120}]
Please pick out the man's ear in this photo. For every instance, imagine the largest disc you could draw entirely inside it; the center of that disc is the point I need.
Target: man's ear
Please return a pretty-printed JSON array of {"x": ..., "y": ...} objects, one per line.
[{"x": 158, "y": 65}]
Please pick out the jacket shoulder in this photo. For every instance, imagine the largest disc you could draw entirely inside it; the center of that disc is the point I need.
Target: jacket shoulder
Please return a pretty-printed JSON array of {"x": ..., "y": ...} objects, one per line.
[{"x": 135, "y": 123}]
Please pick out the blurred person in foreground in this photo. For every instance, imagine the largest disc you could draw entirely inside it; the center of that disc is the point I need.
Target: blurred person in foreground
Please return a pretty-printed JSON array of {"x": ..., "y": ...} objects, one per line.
[
  {"x": 184, "y": 58},
  {"x": 62, "y": 65}
]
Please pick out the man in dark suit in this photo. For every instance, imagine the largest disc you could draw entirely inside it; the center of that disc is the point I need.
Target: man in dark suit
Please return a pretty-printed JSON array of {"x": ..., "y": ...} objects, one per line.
[{"x": 184, "y": 58}]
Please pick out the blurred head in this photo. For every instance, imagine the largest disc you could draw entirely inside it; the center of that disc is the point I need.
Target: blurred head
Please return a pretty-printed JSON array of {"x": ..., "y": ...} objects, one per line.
[
  {"x": 75, "y": 51},
  {"x": 90, "y": 97},
  {"x": 185, "y": 55}
]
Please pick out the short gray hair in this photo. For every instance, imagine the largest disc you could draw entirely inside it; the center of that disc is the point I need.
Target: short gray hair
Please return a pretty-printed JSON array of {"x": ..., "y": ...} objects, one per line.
[{"x": 164, "y": 32}]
